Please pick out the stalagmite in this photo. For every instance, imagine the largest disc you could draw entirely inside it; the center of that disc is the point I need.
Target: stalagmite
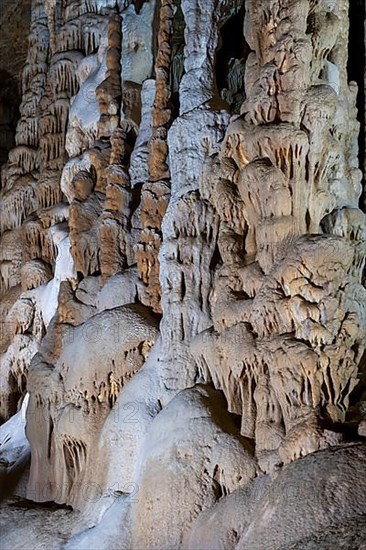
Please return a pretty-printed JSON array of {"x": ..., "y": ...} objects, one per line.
[
  {"x": 182, "y": 280},
  {"x": 115, "y": 247},
  {"x": 292, "y": 166},
  {"x": 161, "y": 111},
  {"x": 50, "y": 7}
]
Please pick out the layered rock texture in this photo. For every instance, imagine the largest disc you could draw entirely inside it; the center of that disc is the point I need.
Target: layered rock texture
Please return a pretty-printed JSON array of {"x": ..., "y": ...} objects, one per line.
[{"x": 182, "y": 283}]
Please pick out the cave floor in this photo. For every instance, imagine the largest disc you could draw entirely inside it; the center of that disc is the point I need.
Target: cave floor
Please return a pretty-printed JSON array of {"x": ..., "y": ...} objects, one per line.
[{"x": 25, "y": 525}]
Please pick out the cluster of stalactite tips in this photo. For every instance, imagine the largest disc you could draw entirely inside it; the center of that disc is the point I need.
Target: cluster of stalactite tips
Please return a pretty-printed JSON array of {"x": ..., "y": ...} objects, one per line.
[{"x": 182, "y": 256}]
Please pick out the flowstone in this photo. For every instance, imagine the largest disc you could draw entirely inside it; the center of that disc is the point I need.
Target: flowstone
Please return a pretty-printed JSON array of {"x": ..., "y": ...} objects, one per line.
[{"x": 182, "y": 278}]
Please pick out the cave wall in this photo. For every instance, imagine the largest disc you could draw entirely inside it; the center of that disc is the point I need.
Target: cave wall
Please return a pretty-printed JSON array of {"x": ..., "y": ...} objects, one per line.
[
  {"x": 14, "y": 29},
  {"x": 182, "y": 259}
]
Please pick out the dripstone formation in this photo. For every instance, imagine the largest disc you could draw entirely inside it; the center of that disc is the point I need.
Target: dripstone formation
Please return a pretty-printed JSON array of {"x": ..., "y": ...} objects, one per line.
[{"x": 182, "y": 276}]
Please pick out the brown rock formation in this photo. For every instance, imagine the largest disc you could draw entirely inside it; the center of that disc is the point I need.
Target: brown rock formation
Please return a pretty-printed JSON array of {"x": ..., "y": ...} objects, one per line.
[{"x": 182, "y": 275}]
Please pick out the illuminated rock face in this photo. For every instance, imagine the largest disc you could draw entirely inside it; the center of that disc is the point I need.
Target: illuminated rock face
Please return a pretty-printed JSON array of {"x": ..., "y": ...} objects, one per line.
[{"x": 182, "y": 258}]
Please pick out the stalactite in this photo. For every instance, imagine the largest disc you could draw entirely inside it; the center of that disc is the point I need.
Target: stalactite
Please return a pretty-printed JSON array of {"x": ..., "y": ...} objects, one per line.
[
  {"x": 50, "y": 8},
  {"x": 182, "y": 271},
  {"x": 48, "y": 191},
  {"x": 78, "y": 393},
  {"x": 161, "y": 112},
  {"x": 91, "y": 34},
  {"x": 63, "y": 74},
  {"x": 23, "y": 159},
  {"x": 51, "y": 147},
  {"x": 35, "y": 273},
  {"x": 283, "y": 177},
  {"x": 31, "y": 231},
  {"x": 115, "y": 220},
  {"x": 109, "y": 92},
  {"x": 155, "y": 193},
  {"x": 70, "y": 36},
  {"x": 10, "y": 257},
  {"x": 60, "y": 110},
  {"x": 48, "y": 247},
  {"x": 17, "y": 204},
  {"x": 115, "y": 253},
  {"x": 154, "y": 202}
]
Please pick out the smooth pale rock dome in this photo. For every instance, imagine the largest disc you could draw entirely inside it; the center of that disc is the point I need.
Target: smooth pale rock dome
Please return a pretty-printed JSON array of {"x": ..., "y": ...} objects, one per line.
[{"x": 182, "y": 275}]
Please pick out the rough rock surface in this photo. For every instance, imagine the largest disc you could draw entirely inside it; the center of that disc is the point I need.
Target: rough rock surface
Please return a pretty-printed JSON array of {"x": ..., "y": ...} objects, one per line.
[
  {"x": 309, "y": 500},
  {"x": 182, "y": 281}
]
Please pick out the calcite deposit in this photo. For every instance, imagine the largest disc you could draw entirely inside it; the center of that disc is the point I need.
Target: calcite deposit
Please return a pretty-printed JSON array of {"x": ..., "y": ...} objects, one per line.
[{"x": 182, "y": 284}]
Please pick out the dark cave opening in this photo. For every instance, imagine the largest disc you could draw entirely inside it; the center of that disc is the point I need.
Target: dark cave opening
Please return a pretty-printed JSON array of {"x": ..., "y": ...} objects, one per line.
[
  {"x": 177, "y": 65},
  {"x": 14, "y": 397},
  {"x": 14, "y": 28},
  {"x": 9, "y": 113},
  {"x": 177, "y": 54},
  {"x": 229, "y": 47},
  {"x": 230, "y": 60}
]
